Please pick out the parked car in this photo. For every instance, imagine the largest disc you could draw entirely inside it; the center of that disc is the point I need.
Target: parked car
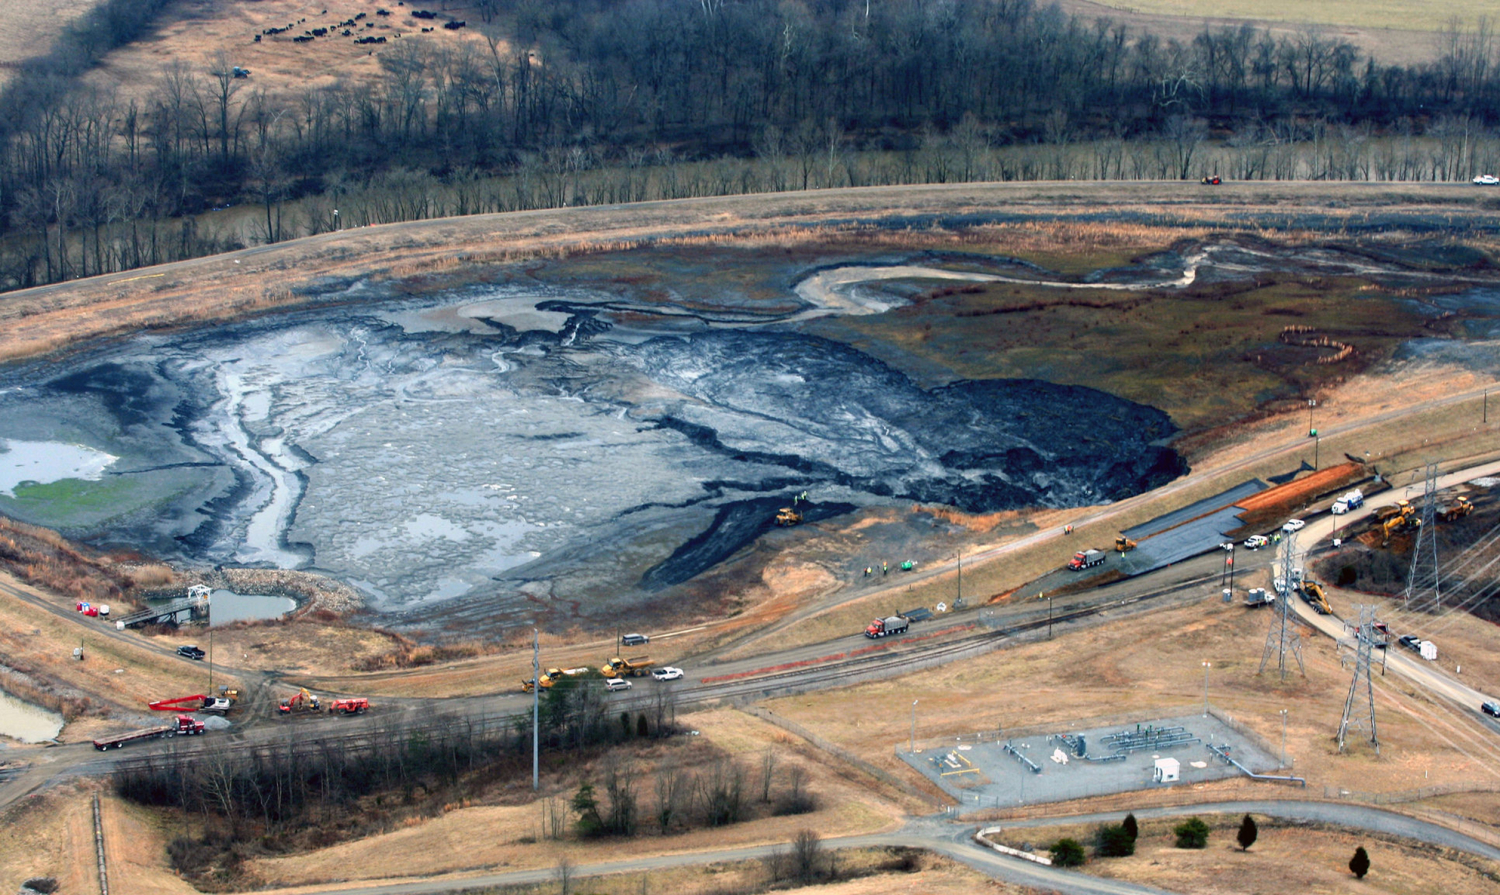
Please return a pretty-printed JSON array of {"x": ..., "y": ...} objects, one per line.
[
  {"x": 1255, "y": 542},
  {"x": 1293, "y": 525},
  {"x": 616, "y": 683},
  {"x": 1411, "y": 642},
  {"x": 1487, "y": 180},
  {"x": 667, "y": 673},
  {"x": 634, "y": 640},
  {"x": 191, "y": 652},
  {"x": 1491, "y": 708}
]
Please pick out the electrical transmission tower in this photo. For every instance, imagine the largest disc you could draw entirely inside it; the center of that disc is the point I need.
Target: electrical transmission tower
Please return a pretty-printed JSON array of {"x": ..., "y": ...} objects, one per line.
[
  {"x": 1357, "y": 719},
  {"x": 1424, "y": 576},
  {"x": 1284, "y": 637}
]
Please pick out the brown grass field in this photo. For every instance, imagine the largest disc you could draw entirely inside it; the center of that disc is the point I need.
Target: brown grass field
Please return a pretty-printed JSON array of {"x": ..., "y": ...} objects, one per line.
[
  {"x": 195, "y": 32},
  {"x": 1285, "y": 858},
  {"x": 28, "y": 28},
  {"x": 1154, "y": 663},
  {"x": 1392, "y": 33}
]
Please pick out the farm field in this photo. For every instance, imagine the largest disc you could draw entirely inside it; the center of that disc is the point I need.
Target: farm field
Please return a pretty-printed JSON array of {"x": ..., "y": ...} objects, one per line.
[
  {"x": 27, "y": 29},
  {"x": 1394, "y": 34}
]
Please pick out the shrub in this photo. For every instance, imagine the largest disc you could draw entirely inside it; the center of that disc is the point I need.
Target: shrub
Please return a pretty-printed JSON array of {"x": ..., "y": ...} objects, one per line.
[
  {"x": 1248, "y": 833},
  {"x": 1067, "y": 853},
  {"x": 1115, "y": 841},
  {"x": 1191, "y": 833},
  {"x": 1359, "y": 865},
  {"x": 1131, "y": 827}
]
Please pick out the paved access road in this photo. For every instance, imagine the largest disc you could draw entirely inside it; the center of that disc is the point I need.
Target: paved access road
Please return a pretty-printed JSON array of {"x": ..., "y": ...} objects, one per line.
[
  {"x": 954, "y": 839},
  {"x": 1427, "y": 674}
]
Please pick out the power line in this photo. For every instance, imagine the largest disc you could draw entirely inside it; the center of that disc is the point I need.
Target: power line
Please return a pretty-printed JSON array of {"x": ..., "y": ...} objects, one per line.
[
  {"x": 1358, "y": 719},
  {"x": 1283, "y": 637},
  {"x": 1426, "y": 577}
]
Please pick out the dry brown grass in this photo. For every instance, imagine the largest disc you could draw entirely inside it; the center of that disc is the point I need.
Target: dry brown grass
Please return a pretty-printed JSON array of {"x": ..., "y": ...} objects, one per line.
[
  {"x": 208, "y": 289},
  {"x": 1286, "y": 857},
  {"x": 44, "y": 558},
  {"x": 28, "y": 29},
  {"x": 1154, "y": 664},
  {"x": 509, "y": 835},
  {"x": 117, "y": 671},
  {"x": 193, "y": 32}
]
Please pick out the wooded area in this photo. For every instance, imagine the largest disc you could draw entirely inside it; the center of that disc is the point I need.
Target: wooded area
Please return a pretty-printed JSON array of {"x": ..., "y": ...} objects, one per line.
[{"x": 615, "y": 102}]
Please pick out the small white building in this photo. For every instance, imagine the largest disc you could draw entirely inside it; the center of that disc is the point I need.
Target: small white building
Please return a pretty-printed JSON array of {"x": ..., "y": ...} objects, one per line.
[{"x": 1168, "y": 770}]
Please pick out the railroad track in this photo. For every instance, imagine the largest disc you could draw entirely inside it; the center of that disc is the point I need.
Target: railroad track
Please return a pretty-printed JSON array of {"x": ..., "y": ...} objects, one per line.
[{"x": 388, "y": 731}]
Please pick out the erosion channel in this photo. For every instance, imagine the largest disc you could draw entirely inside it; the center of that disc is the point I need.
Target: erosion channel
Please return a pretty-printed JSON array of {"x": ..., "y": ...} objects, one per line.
[{"x": 518, "y": 445}]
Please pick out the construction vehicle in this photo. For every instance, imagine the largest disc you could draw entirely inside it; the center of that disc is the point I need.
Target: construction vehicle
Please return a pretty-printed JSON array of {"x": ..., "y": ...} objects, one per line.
[
  {"x": 1312, "y": 591},
  {"x": 1083, "y": 559},
  {"x": 788, "y": 516},
  {"x": 639, "y": 666},
  {"x": 552, "y": 676},
  {"x": 1351, "y": 500},
  {"x": 1399, "y": 508},
  {"x": 885, "y": 627},
  {"x": 184, "y": 725},
  {"x": 1458, "y": 509},
  {"x": 353, "y": 705},
  {"x": 1124, "y": 544},
  {"x": 302, "y": 701}
]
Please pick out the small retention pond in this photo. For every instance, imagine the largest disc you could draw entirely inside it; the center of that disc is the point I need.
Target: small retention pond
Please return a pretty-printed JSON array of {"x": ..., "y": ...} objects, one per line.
[
  {"x": 226, "y": 606},
  {"x": 28, "y": 723}
]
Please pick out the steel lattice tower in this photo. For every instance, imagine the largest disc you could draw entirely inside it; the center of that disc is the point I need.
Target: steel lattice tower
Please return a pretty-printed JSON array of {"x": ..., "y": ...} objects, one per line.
[
  {"x": 1424, "y": 575},
  {"x": 1364, "y": 642},
  {"x": 1284, "y": 637}
]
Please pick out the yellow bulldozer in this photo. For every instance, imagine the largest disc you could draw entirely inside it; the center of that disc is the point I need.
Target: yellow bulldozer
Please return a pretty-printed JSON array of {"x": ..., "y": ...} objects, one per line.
[
  {"x": 788, "y": 516},
  {"x": 1124, "y": 544}
]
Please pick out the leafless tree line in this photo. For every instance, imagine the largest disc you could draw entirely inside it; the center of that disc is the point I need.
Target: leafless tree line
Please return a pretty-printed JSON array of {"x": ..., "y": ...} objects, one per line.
[{"x": 581, "y": 104}]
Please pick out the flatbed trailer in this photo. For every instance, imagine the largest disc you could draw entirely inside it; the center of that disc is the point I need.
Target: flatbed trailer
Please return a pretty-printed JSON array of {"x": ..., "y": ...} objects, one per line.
[{"x": 185, "y": 725}]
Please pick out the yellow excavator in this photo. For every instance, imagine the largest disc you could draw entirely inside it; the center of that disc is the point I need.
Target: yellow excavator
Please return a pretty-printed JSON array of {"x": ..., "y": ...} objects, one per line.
[{"x": 303, "y": 701}]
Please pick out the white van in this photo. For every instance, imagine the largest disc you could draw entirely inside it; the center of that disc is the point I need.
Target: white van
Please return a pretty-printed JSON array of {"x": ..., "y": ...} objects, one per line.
[{"x": 616, "y": 683}]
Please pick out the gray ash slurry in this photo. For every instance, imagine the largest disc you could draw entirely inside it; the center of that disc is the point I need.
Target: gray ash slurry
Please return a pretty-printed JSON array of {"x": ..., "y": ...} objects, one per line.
[{"x": 515, "y": 444}]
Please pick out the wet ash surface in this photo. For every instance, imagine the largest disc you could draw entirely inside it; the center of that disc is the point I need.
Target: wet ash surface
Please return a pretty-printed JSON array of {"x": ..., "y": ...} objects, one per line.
[{"x": 505, "y": 451}]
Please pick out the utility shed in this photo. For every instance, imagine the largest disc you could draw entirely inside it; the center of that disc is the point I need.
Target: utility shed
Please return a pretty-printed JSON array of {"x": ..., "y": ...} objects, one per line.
[{"x": 1167, "y": 770}]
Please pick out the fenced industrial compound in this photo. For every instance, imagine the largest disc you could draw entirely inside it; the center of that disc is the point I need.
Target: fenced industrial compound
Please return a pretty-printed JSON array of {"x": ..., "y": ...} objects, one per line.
[{"x": 1023, "y": 766}]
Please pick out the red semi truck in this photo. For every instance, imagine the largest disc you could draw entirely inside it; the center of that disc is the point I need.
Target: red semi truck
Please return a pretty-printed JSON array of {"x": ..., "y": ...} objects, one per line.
[{"x": 185, "y": 725}]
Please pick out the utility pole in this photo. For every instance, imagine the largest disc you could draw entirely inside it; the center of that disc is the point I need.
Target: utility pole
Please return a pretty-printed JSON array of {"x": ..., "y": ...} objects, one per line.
[
  {"x": 1049, "y": 618},
  {"x": 1206, "y": 667},
  {"x": 959, "y": 602},
  {"x": 1283, "y": 737},
  {"x": 536, "y": 714},
  {"x": 911, "y": 746}
]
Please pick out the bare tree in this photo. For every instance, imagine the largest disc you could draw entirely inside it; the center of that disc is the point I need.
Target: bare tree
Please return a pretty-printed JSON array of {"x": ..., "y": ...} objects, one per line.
[
  {"x": 807, "y": 851},
  {"x": 563, "y": 873},
  {"x": 767, "y": 769}
]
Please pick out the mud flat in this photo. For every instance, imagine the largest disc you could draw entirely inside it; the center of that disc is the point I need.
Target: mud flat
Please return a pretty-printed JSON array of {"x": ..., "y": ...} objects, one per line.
[{"x": 539, "y": 447}]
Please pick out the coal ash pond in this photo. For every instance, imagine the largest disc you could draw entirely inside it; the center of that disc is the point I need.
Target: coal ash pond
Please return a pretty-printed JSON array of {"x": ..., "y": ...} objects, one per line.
[{"x": 518, "y": 446}]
